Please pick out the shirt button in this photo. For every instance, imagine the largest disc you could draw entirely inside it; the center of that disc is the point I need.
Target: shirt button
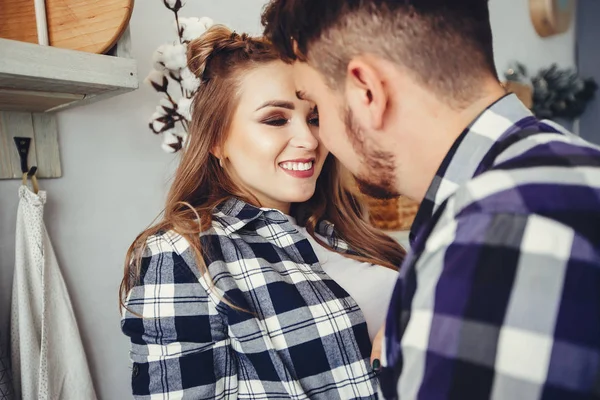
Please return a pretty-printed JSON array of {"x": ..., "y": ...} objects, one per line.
[{"x": 135, "y": 370}]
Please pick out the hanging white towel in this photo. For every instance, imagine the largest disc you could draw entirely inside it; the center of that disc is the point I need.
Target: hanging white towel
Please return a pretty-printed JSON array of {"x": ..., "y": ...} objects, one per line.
[{"x": 48, "y": 359}]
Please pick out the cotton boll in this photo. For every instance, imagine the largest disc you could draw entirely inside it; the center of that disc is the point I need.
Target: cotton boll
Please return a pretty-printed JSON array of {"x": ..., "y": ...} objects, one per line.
[
  {"x": 171, "y": 142},
  {"x": 175, "y": 75},
  {"x": 160, "y": 112},
  {"x": 161, "y": 121},
  {"x": 157, "y": 126},
  {"x": 156, "y": 115},
  {"x": 174, "y": 5},
  {"x": 157, "y": 80},
  {"x": 175, "y": 56},
  {"x": 189, "y": 81},
  {"x": 192, "y": 28},
  {"x": 154, "y": 77},
  {"x": 158, "y": 58},
  {"x": 184, "y": 108}
]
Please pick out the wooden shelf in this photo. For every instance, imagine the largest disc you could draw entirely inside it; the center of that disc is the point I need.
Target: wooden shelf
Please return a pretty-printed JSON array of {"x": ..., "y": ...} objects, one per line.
[
  {"x": 36, "y": 81},
  {"x": 36, "y": 78}
]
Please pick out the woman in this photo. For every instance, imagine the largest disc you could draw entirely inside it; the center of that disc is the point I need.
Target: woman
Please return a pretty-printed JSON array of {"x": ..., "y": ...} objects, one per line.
[{"x": 249, "y": 285}]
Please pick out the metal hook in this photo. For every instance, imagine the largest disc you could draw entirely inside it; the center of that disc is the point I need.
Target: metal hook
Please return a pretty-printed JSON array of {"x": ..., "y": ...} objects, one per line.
[{"x": 23, "y": 144}]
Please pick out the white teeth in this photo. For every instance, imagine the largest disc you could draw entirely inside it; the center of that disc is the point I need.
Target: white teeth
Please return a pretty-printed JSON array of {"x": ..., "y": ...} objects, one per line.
[{"x": 292, "y": 166}]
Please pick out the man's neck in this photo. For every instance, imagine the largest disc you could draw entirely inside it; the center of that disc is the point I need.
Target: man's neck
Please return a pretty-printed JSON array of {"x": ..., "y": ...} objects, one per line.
[{"x": 434, "y": 139}]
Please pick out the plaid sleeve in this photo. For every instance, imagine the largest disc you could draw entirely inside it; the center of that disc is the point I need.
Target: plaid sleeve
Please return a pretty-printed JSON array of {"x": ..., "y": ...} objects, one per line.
[
  {"x": 179, "y": 345},
  {"x": 512, "y": 312}
]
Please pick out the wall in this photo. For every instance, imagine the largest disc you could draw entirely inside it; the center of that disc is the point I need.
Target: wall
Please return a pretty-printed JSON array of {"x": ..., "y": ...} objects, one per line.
[
  {"x": 588, "y": 63},
  {"x": 515, "y": 39},
  {"x": 116, "y": 175}
]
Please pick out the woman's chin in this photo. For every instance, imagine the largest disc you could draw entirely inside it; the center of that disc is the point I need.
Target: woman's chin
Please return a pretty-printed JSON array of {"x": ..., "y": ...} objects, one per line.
[{"x": 300, "y": 196}]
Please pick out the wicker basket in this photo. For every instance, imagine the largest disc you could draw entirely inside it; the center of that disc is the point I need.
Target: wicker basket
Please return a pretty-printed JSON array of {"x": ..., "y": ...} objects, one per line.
[
  {"x": 388, "y": 215},
  {"x": 392, "y": 215}
]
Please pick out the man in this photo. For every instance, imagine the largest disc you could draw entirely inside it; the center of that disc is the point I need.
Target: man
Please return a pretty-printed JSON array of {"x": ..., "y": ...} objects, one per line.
[{"x": 500, "y": 295}]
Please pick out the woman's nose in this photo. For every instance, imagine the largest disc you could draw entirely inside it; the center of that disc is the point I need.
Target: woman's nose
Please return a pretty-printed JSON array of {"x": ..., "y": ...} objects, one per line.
[{"x": 304, "y": 137}]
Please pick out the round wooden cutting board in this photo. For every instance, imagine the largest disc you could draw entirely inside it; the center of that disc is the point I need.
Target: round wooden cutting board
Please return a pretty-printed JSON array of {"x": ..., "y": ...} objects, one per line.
[
  {"x": 86, "y": 25},
  {"x": 551, "y": 17}
]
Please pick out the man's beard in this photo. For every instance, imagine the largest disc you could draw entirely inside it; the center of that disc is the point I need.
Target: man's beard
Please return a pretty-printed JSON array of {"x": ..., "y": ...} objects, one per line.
[{"x": 379, "y": 179}]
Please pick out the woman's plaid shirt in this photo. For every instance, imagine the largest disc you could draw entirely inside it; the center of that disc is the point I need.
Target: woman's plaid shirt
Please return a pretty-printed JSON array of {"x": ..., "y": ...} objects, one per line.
[{"x": 302, "y": 337}]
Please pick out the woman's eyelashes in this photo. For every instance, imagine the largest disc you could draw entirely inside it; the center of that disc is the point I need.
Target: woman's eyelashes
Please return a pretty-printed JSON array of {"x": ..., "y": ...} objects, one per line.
[{"x": 279, "y": 121}]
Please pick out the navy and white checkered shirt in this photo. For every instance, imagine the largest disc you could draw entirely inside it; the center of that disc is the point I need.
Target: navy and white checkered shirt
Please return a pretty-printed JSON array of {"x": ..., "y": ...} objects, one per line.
[
  {"x": 500, "y": 295},
  {"x": 303, "y": 337}
]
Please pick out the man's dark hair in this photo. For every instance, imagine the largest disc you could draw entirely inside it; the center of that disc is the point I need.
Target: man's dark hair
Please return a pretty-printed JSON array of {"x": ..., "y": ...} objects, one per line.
[{"x": 446, "y": 44}]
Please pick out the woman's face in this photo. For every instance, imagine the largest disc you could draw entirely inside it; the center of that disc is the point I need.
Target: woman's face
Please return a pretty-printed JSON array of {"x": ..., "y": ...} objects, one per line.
[{"x": 273, "y": 148}]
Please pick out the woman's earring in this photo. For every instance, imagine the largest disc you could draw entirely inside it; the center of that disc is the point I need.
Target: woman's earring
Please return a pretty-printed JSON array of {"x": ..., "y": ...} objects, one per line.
[{"x": 221, "y": 162}]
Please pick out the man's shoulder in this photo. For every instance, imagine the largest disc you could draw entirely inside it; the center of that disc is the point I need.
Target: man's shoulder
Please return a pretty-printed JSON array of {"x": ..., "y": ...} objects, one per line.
[
  {"x": 553, "y": 175},
  {"x": 548, "y": 149}
]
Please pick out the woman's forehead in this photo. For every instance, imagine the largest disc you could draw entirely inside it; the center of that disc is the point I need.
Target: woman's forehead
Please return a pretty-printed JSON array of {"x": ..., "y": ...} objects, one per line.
[{"x": 270, "y": 82}]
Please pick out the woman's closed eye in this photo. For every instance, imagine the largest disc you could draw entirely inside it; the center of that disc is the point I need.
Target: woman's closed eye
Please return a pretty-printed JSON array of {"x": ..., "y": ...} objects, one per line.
[
  {"x": 282, "y": 120},
  {"x": 277, "y": 120}
]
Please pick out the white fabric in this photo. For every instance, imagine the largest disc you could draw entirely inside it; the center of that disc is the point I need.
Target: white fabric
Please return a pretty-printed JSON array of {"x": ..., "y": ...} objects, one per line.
[
  {"x": 369, "y": 285},
  {"x": 48, "y": 359}
]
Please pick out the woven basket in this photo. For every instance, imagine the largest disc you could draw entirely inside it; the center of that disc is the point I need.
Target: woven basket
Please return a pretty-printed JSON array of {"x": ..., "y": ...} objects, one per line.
[
  {"x": 392, "y": 215},
  {"x": 388, "y": 215}
]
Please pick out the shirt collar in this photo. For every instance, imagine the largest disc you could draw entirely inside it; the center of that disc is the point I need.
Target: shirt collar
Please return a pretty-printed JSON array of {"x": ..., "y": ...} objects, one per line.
[
  {"x": 235, "y": 214},
  {"x": 502, "y": 117}
]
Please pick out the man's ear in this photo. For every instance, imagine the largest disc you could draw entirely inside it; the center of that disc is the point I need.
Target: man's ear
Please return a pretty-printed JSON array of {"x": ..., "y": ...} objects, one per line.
[{"x": 366, "y": 93}]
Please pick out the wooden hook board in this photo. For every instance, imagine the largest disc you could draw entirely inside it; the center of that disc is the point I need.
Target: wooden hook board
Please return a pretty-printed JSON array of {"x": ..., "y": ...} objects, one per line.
[{"x": 43, "y": 151}]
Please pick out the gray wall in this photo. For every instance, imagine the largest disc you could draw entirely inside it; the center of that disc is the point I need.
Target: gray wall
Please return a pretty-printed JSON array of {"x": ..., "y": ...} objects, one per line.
[
  {"x": 116, "y": 175},
  {"x": 515, "y": 39},
  {"x": 588, "y": 62}
]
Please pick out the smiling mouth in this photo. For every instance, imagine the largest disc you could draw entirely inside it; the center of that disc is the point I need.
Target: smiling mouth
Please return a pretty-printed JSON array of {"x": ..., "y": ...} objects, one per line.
[{"x": 299, "y": 169}]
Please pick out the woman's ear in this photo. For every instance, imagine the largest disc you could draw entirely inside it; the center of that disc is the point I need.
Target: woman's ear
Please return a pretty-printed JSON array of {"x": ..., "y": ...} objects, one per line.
[{"x": 217, "y": 152}]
